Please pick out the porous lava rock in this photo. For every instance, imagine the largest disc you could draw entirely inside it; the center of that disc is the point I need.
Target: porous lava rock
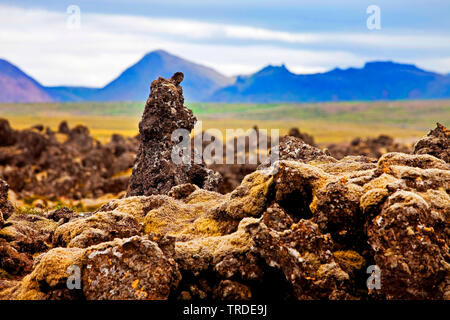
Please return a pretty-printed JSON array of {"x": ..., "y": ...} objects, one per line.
[
  {"x": 6, "y": 208},
  {"x": 154, "y": 171},
  {"x": 12, "y": 261},
  {"x": 307, "y": 138},
  {"x": 133, "y": 268},
  {"x": 369, "y": 147},
  {"x": 69, "y": 163},
  {"x": 306, "y": 226},
  {"x": 30, "y": 233},
  {"x": 100, "y": 227},
  {"x": 436, "y": 143},
  {"x": 308, "y": 230}
]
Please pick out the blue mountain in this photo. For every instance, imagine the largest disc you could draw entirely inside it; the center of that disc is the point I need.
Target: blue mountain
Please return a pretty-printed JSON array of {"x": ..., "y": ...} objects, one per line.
[
  {"x": 134, "y": 83},
  {"x": 17, "y": 86},
  {"x": 131, "y": 85},
  {"x": 381, "y": 80}
]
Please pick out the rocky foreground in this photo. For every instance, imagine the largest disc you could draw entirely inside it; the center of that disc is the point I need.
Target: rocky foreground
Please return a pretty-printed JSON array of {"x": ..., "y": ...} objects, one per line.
[
  {"x": 308, "y": 230},
  {"x": 41, "y": 164}
]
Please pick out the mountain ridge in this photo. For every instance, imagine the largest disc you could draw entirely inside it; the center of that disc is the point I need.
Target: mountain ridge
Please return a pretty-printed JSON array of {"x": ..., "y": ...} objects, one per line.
[
  {"x": 17, "y": 86},
  {"x": 376, "y": 80},
  {"x": 134, "y": 82}
]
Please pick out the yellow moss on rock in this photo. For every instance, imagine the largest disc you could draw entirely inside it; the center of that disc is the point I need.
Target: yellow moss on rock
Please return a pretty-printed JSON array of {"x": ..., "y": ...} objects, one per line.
[
  {"x": 20, "y": 226},
  {"x": 186, "y": 219},
  {"x": 4, "y": 274},
  {"x": 101, "y": 226},
  {"x": 200, "y": 196},
  {"x": 373, "y": 198},
  {"x": 61, "y": 138},
  {"x": 346, "y": 166},
  {"x": 250, "y": 197},
  {"x": 437, "y": 198},
  {"x": 350, "y": 258},
  {"x": 382, "y": 182},
  {"x": 206, "y": 227},
  {"x": 207, "y": 248},
  {"x": 131, "y": 205},
  {"x": 51, "y": 271},
  {"x": 423, "y": 161}
]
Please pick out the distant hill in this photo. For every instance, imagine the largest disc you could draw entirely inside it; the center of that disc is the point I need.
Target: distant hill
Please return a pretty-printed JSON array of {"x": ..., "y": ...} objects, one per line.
[
  {"x": 16, "y": 86},
  {"x": 134, "y": 83},
  {"x": 375, "y": 81},
  {"x": 131, "y": 85}
]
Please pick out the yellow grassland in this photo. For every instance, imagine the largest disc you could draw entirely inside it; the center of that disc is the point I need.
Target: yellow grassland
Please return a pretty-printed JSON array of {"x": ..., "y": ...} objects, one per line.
[{"x": 102, "y": 127}]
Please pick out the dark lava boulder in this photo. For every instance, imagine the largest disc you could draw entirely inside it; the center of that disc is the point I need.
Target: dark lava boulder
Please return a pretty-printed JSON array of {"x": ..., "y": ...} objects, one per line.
[
  {"x": 154, "y": 171},
  {"x": 436, "y": 143},
  {"x": 6, "y": 208}
]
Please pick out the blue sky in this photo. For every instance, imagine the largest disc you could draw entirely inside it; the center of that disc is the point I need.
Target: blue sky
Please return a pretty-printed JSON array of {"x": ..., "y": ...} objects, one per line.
[{"x": 234, "y": 37}]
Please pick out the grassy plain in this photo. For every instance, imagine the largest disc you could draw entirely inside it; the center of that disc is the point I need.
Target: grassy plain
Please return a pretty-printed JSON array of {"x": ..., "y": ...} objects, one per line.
[{"x": 327, "y": 122}]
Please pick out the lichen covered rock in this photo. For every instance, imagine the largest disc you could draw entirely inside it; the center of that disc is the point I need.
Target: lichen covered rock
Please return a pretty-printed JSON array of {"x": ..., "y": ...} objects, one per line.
[
  {"x": 410, "y": 247},
  {"x": 306, "y": 258},
  {"x": 94, "y": 229},
  {"x": 305, "y": 227},
  {"x": 48, "y": 280},
  {"x": 133, "y": 268},
  {"x": 31, "y": 233}
]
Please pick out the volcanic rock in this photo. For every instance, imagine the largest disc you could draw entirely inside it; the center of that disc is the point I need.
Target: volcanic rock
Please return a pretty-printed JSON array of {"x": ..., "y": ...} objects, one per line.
[
  {"x": 12, "y": 261},
  {"x": 132, "y": 268},
  {"x": 308, "y": 230},
  {"x": 100, "y": 227},
  {"x": 29, "y": 233},
  {"x": 61, "y": 215},
  {"x": 436, "y": 143},
  {"x": 69, "y": 163},
  {"x": 370, "y": 147},
  {"x": 294, "y": 148},
  {"x": 154, "y": 171},
  {"x": 307, "y": 138},
  {"x": 6, "y": 208},
  {"x": 7, "y": 137}
]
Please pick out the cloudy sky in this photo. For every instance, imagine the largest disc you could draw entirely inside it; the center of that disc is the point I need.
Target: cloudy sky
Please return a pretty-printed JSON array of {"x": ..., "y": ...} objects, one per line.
[{"x": 232, "y": 36}]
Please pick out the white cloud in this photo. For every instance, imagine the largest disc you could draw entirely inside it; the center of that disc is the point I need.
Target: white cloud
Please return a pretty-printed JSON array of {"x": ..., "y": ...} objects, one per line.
[
  {"x": 39, "y": 42},
  {"x": 435, "y": 64}
]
